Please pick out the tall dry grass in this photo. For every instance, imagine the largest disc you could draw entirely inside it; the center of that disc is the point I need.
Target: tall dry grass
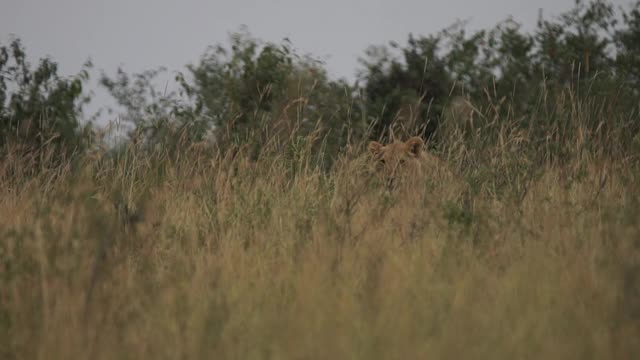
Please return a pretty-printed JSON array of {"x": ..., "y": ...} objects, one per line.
[{"x": 531, "y": 252}]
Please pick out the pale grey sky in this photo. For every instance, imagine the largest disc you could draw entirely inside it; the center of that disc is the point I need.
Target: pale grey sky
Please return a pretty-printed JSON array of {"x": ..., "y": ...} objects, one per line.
[{"x": 143, "y": 34}]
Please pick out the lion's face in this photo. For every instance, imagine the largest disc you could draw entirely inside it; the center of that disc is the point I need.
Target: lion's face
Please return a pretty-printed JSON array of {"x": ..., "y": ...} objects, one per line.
[{"x": 398, "y": 160}]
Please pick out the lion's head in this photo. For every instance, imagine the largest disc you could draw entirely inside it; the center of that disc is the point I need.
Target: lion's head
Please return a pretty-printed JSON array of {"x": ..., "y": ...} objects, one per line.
[{"x": 398, "y": 160}]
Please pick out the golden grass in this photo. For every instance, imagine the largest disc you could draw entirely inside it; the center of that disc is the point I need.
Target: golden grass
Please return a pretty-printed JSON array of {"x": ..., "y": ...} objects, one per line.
[{"x": 150, "y": 256}]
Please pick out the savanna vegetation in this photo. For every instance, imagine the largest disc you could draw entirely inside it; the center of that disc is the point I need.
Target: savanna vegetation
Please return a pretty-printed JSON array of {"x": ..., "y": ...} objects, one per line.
[{"x": 240, "y": 217}]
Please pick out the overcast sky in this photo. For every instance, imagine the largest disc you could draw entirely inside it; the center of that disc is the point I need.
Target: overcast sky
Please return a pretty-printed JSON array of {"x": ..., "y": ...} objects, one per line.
[{"x": 143, "y": 34}]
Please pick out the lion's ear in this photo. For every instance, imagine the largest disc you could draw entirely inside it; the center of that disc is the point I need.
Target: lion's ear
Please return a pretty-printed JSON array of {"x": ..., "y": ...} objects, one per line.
[
  {"x": 375, "y": 147},
  {"x": 415, "y": 145}
]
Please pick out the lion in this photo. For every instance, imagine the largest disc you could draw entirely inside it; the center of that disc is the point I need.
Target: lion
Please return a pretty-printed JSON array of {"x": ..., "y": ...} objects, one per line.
[
  {"x": 408, "y": 165},
  {"x": 401, "y": 160},
  {"x": 410, "y": 188}
]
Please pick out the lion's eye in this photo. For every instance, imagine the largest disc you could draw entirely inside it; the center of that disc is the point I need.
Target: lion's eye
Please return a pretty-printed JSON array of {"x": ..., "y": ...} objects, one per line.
[{"x": 402, "y": 161}]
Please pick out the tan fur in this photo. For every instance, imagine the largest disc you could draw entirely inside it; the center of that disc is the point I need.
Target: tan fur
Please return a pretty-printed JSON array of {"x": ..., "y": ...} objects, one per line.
[
  {"x": 408, "y": 165},
  {"x": 400, "y": 159}
]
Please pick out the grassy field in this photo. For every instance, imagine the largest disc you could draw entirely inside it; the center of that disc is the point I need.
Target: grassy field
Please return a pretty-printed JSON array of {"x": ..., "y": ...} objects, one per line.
[{"x": 531, "y": 251}]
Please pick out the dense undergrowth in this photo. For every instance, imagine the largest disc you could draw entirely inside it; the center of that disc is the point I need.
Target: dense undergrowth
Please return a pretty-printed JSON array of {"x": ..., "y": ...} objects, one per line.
[{"x": 530, "y": 252}]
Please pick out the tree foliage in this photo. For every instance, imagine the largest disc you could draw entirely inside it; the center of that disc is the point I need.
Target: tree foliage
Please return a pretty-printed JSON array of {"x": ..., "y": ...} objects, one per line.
[
  {"x": 247, "y": 93},
  {"x": 250, "y": 92},
  {"x": 38, "y": 106}
]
